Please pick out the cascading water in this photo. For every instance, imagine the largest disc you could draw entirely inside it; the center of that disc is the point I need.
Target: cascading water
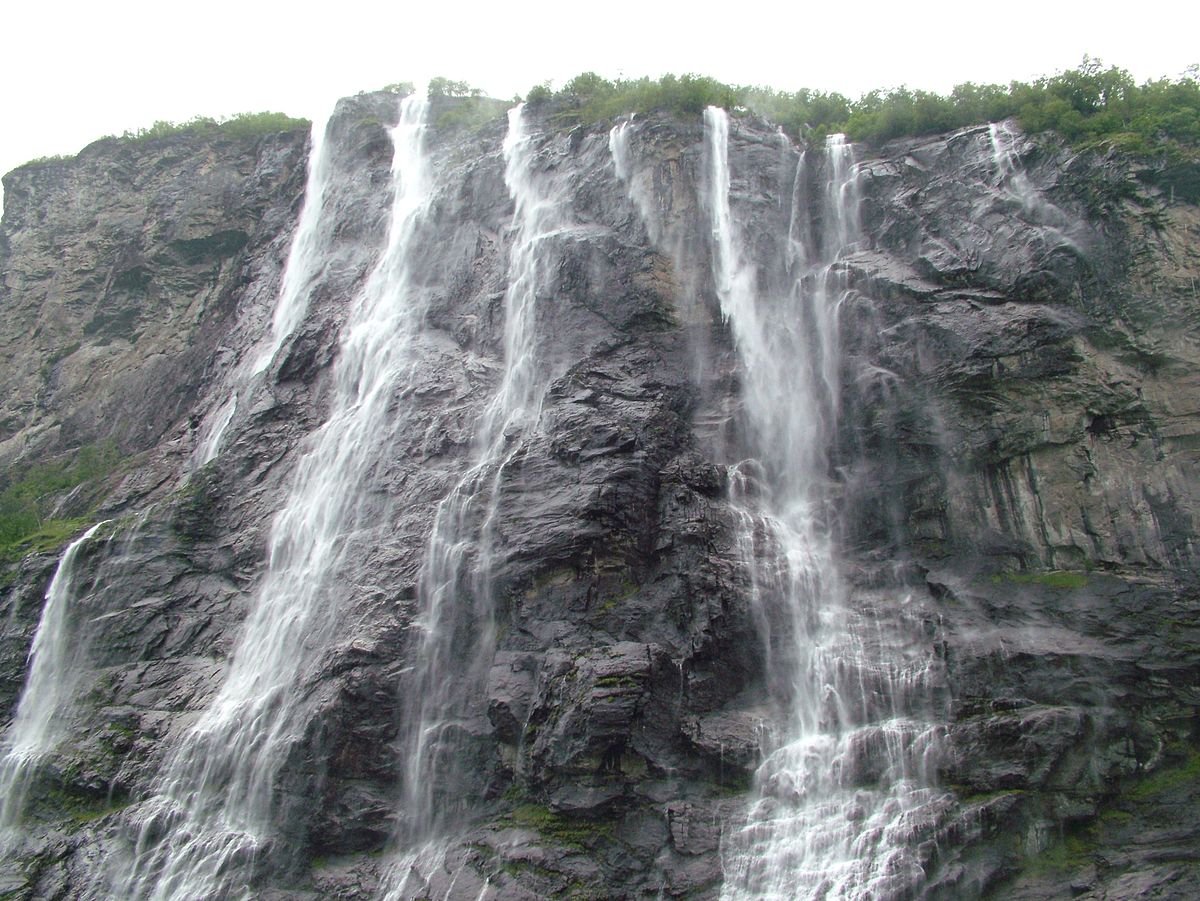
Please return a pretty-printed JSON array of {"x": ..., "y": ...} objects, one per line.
[
  {"x": 214, "y": 431},
  {"x": 300, "y": 272},
  {"x": 1012, "y": 180},
  {"x": 1004, "y": 158},
  {"x": 841, "y": 796},
  {"x": 456, "y": 637},
  {"x": 622, "y": 157},
  {"x": 216, "y": 805},
  {"x": 304, "y": 254},
  {"x": 54, "y": 670}
]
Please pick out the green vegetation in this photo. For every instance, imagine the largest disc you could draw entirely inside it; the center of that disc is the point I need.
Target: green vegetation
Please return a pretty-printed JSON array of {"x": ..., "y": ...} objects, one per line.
[
  {"x": 1085, "y": 105},
  {"x": 590, "y": 98},
  {"x": 1116, "y": 818},
  {"x": 967, "y": 794},
  {"x": 618, "y": 680},
  {"x": 1072, "y": 852},
  {"x": 732, "y": 781},
  {"x": 1139, "y": 803},
  {"x": 571, "y": 833},
  {"x": 240, "y": 126},
  {"x": 47, "y": 368},
  {"x": 28, "y": 521},
  {"x": 1089, "y": 106},
  {"x": 1056, "y": 579},
  {"x": 445, "y": 87},
  {"x": 469, "y": 113},
  {"x": 1167, "y": 780},
  {"x": 83, "y": 808},
  {"x": 49, "y": 160},
  {"x": 195, "y": 503},
  {"x": 459, "y": 107}
]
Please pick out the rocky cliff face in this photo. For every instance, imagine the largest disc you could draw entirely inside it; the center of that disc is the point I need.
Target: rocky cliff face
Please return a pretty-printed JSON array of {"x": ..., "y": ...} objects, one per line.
[{"x": 1011, "y": 492}]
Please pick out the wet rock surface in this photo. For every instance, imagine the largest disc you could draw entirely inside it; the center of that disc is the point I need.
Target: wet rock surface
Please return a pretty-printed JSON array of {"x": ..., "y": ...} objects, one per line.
[{"x": 1016, "y": 474}]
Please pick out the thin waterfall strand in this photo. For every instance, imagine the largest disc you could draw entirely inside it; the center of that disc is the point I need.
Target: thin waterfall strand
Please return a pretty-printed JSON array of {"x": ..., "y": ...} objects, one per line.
[
  {"x": 53, "y": 668},
  {"x": 214, "y": 435},
  {"x": 301, "y": 270}
]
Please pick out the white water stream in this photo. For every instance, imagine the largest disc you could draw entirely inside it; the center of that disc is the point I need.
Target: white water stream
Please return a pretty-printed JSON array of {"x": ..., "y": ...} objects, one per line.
[
  {"x": 306, "y": 251},
  {"x": 301, "y": 271},
  {"x": 54, "y": 668},
  {"x": 216, "y": 805},
  {"x": 1012, "y": 180},
  {"x": 842, "y": 798},
  {"x": 456, "y": 638},
  {"x": 1004, "y": 158}
]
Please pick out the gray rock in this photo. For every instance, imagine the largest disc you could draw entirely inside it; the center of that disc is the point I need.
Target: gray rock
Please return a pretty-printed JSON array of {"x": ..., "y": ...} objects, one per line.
[{"x": 1015, "y": 478}]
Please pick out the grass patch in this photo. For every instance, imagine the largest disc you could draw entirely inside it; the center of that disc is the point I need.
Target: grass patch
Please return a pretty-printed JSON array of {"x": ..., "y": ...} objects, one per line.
[
  {"x": 618, "y": 680},
  {"x": 57, "y": 357},
  {"x": 732, "y": 782},
  {"x": 968, "y": 795},
  {"x": 570, "y": 833},
  {"x": 83, "y": 816},
  {"x": 82, "y": 809},
  {"x": 195, "y": 506},
  {"x": 1167, "y": 780},
  {"x": 30, "y": 497},
  {"x": 1073, "y": 852},
  {"x": 50, "y": 535},
  {"x": 49, "y": 161},
  {"x": 467, "y": 114},
  {"x": 628, "y": 589},
  {"x": 519, "y": 868}
]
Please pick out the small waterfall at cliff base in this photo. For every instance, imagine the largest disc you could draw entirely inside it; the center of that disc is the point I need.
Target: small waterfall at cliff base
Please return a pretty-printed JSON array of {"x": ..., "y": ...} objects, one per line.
[
  {"x": 842, "y": 796},
  {"x": 53, "y": 672},
  {"x": 216, "y": 806}
]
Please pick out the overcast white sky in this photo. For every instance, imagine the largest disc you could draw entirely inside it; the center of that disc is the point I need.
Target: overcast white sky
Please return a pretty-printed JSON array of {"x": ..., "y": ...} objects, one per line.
[{"x": 71, "y": 72}]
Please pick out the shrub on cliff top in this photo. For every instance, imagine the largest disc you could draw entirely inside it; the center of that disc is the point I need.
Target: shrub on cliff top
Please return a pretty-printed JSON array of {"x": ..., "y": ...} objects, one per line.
[
  {"x": 242, "y": 125},
  {"x": 590, "y": 98},
  {"x": 1088, "y": 105}
]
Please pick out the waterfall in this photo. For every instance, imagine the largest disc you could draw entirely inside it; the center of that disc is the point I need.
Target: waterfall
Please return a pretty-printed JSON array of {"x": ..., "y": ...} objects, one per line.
[
  {"x": 1012, "y": 181},
  {"x": 54, "y": 669},
  {"x": 1009, "y": 176},
  {"x": 456, "y": 631},
  {"x": 300, "y": 271},
  {"x": 1004, "y": 155},
  {"x": 840, "y": 793},
  {"x": 666, "y": 225},
  {"x": 210, "y": 445},
  {"x": 301, "y": 268},
  {"x": 623, "y": 164},
  {"x": 216, "y": 805}
]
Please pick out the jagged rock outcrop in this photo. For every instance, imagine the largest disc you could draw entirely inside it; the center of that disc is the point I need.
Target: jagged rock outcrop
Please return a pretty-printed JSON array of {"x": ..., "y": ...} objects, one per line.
[{"x": 1015, "y": 483}]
